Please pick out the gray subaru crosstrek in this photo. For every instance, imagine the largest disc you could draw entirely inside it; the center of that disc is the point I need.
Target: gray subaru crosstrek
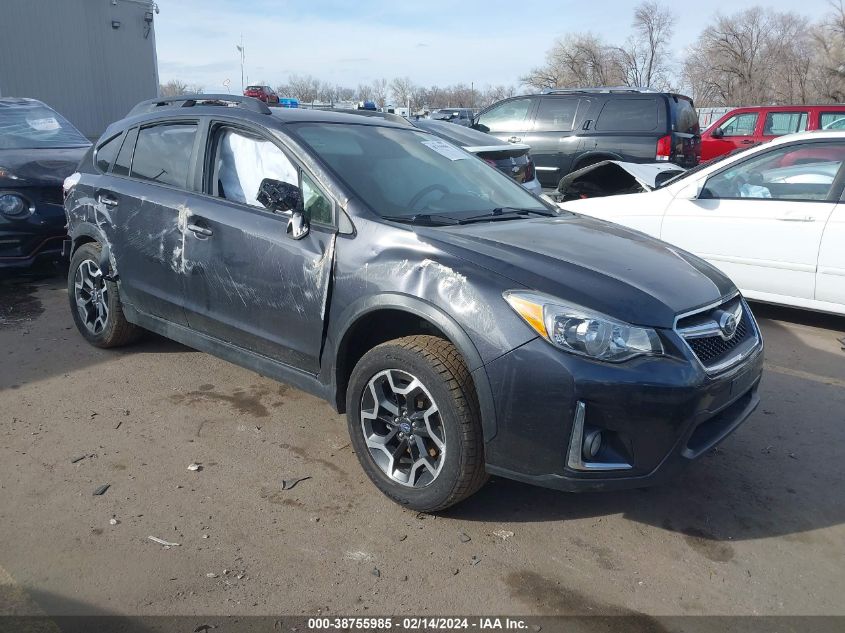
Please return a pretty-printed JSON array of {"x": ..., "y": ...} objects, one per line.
[{"x": 465, "y": 326}]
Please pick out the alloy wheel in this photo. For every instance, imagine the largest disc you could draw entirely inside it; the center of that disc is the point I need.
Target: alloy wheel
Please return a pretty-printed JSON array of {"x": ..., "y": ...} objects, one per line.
[{"x": 92, "y": 296}]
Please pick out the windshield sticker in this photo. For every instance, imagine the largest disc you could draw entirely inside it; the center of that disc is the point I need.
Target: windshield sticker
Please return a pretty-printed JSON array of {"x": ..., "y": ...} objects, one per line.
[
  {"x": 446, "y": 149},
  {"x": 44, "y": 125}
]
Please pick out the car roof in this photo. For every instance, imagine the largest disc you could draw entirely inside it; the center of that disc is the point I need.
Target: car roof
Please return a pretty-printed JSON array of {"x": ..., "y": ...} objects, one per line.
[
  {"x": 21, "y": 101},
  {"x": 787, "y": 108}
]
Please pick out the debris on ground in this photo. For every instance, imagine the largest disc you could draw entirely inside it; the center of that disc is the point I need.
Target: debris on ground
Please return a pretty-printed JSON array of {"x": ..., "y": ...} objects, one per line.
[
  {"x": 81, "y": 457},
  {"x": 204, "y": 627},
  {"x": 287, "y": 484},
  {"x": 376, "y": 572},
  {"x": 402, "y": 538},
  {"x": 101, "y": 489},
  {"x": 211, "y": 574},
  {"x": 503, "y": 534},
  {"x": 113, "y": 521},
  {"x": 117, "y": 426},
  {"x": 474, "y": 560},
  {"x": 841, "y": 341},
  {"x": 455, "y": 571},
  {"x": 194, "y": 466},
  {"x": 161, "y": 541},
  {"x": 464, "y": 537}
]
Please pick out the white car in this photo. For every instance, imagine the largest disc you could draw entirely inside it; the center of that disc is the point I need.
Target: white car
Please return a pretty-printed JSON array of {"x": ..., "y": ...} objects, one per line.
[{"x": 771, "y": 217}]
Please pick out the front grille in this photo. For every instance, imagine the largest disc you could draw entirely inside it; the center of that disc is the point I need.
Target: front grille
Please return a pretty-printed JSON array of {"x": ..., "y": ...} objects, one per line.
[{"x": 703, "y": 334}]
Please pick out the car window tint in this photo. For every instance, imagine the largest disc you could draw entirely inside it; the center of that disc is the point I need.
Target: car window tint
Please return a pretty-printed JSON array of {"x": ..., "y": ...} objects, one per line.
[
  {"x": 740, "y": 125},
  {"x": 628, "y": 115},
  {"x": 780, "y": 123},
  {"x": 163, "y": 153},
  {"x": 124, "y": 158},
  {"x": 686, "y": 118},
  {"x": 243, "y": 161},
  {"x": 506, "y": 117},
  {"x": 27, "y": 124},
  {"x": 107, "y": 152},
  {"x": 832, "y": 120},
  {"x": 556, "y": 114},
  {"x": 315, "y": 202},
  {"x": 798, "y": 172}
]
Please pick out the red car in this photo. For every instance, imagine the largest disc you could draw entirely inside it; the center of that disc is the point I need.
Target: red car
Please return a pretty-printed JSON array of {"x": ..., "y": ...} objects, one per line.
[
  {"x": 262, "y": 93},
  {"x": 746, "y": 126}
]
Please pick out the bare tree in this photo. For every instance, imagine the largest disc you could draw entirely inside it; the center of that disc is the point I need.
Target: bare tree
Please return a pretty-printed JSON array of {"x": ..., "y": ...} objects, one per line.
[
  {"x": 175, "y": 87},
  {"x": 380, "y": 91},
  {"x": 828, "y": 41},
  {"x": 578, "y": 59},
  {"x": 401, "y": 89},
  {"x": 644, "y": 57}
]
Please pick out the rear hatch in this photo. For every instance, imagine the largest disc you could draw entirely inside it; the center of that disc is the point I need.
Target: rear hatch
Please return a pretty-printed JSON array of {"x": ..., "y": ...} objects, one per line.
[
  {"x": 686, "y": 141},
  {"x": 510, "y": 159}
]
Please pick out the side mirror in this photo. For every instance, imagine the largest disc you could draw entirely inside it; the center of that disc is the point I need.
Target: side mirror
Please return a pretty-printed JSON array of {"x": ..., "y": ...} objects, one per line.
[
  {"x": 717, "y": 133},
  {"x": 280, "y": 197},
  {"x": 691, "y": 191}
]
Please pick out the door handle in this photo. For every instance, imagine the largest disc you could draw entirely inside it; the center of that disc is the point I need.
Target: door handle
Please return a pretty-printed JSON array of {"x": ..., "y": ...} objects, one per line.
[
  {"x": 514, "y": 139},
  {"x": 747, "y": 142},
  {"x": 796, "y": 218},
  {"x": 200, "y": 230},
  {"x": 106, "y": 199}
]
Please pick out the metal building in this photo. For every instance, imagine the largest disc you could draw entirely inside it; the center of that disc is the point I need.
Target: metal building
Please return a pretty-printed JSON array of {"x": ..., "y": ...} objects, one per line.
[{"x": 91, "y": 60}]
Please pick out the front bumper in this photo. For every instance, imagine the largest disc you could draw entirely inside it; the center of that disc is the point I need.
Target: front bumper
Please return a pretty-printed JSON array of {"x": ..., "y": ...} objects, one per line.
[
  {"x": 659, "y": 413},
  {"x": 36, "y": 238}
]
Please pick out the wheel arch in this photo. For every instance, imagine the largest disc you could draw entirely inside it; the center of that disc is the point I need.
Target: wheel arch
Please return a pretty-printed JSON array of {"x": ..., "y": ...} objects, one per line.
[{"x": 375, "y": 320}]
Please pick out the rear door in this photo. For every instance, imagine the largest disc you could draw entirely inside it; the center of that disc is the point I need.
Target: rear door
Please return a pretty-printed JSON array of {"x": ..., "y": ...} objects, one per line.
[
  {"x": 250, "y": 283},
  {"x": 830, "y": 278},
  {"x": 554, "y": 136},
  {"x": 628, "y": 126},
  {"x": 777, "y": 123},
  {"x": 828, "y": 120},
  {"x": 145, "y": 202},
  {"x": 761, "y": 220}
]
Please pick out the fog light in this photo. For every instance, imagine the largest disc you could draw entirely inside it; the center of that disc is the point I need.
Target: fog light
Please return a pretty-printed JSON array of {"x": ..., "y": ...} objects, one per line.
[
  {"x": 592, "y": 444},
  {"x": 12, "y": 205}
]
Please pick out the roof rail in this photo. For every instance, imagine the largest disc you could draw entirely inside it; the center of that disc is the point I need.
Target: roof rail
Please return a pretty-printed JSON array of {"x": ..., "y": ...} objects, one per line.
[
  {"x": 387, "y": 116},
  {"x": 189, "y": 101},
  {"x": 601, "y": 89}
]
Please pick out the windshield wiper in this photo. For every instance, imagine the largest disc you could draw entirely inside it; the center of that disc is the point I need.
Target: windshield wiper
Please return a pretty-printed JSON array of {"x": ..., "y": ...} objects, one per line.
[
  {"x": 504, "y": 213},
  {"x": 423, "y": 218}
]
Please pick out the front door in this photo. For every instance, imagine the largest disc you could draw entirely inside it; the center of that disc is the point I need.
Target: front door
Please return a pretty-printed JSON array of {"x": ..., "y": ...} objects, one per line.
[
  {"x": 737, "y": 131},
  {"x": 761, "y": 220},
  {"x": 251, "y": 284},
  {"x": 554, "y": 137},
  {"x": 508, "y": 120}
]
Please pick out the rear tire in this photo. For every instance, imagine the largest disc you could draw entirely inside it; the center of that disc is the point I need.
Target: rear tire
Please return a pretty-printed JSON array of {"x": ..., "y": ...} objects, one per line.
[
  {"x": 95, "y": 303},
  {"x": 437, "y": 418}
]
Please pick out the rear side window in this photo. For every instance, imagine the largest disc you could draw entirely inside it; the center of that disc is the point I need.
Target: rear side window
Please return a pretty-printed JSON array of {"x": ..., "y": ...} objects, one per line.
[
  {"x": 628, "y": 115},
  {"x": 832, "y": 120},
  {"x": 780, "y": 123},
  {"x": 107, "y": 152},
  {"x": 124, "y": 158},
  {"x": 686, "y": 118},
  {"x": 163, "y": 153},
  {"x": 556, "y": 114}
]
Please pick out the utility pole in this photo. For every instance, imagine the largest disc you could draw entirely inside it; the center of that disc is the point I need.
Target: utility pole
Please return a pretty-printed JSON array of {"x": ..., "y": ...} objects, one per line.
[{"x": 241, "y": 51}]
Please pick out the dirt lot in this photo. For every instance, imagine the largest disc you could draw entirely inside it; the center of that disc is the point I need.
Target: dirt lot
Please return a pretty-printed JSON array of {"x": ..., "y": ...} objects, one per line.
[{"x": 755, "y": 527}]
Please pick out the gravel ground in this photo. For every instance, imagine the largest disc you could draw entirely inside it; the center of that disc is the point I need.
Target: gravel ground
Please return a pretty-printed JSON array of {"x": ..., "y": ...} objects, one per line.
[{"x": 754, "y": 527}]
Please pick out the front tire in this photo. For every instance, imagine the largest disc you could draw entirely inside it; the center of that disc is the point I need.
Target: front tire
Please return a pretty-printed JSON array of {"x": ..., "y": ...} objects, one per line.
[
  {"x": 414, "y": 422},
  {"x": 95, "y": 303}
]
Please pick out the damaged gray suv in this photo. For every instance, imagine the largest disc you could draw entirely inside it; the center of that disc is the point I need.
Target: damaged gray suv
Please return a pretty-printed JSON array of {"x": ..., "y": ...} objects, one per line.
[{"x": 465, "y": 326}]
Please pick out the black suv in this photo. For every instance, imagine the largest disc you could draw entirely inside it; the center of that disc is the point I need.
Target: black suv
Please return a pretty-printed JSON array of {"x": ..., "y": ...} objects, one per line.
[
  {"x": 570, "y": 129},
  {"x": 465, "y": 326}
]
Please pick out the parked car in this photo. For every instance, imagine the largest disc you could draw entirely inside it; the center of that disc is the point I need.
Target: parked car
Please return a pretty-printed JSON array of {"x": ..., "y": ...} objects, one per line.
[
  {"x": 262, "y": 93},
  {"x": 613, "y": 177},
  {"x": 465, "y": 326},
  {"x": 770, "y": 217},
  {"x": 38, "y": 149},
  {"x": 570, "y": 129},
  {"x": 367, "y": 105},
  {"x": 460, "y": 116},
  {"x": 511, "y": 159},
  {"x": 742, "y": 127}
]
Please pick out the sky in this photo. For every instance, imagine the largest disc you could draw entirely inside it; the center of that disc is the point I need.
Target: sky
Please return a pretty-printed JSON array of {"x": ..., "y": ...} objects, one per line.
[{"x": 484, "y": 42}]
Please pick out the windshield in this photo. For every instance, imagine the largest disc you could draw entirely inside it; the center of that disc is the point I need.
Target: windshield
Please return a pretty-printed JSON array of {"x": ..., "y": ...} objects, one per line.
[
  {"x": 706, "y": 164},
  {"x": 405, "y": 172},
  {"x": 32, "y": 125},
  {"x": 464, "y": 136}
]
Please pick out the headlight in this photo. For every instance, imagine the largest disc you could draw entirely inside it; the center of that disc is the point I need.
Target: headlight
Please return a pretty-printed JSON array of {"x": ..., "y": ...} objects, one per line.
[
  {"x": 13, "y": 205},
  {"x": 582, "y": 331},
  {"x": 8, "y": 175}
]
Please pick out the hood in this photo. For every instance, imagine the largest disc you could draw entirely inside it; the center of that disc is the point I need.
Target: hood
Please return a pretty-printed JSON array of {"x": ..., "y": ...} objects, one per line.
[
  {"x": 40, "y": 167},
  {"x": 596, "y": 264},
  {"x": 613, "y": 177}
]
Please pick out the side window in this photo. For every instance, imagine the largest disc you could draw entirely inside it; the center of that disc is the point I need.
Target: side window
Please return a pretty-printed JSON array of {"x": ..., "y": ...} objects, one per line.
[
  {"x": 316, "y": 202},
  {"x": 628, "y": 115},
  {"x": 832, "y": 120},
  {"x": 797, "y": 172},
  {"x": 556, "y": 114},
  {"x": 107, "y": 152},
  {"x": 163, "y": 153},
  {"x": 507, "y": 117},
  {"x": 780, "y": 123},
  {"x": 124, "y": 158},
  {"x": 242, "y": 161},
  {"x": 686, "y": 118},
  {"x": 740, "y": 125}
]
